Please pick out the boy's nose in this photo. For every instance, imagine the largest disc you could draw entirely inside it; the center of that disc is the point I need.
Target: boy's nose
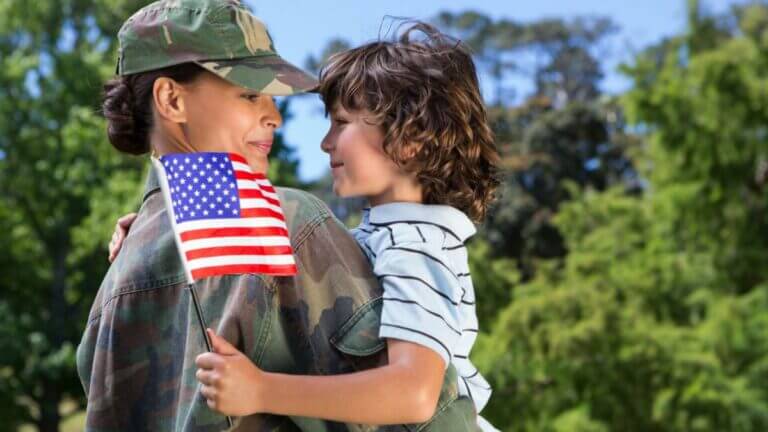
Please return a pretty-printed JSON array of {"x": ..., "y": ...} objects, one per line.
[{"x": 326, "y": 145}]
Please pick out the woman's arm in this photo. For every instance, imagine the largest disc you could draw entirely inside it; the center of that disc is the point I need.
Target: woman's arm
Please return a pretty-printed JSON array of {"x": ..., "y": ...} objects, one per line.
[{"x": 404, "y": 391}]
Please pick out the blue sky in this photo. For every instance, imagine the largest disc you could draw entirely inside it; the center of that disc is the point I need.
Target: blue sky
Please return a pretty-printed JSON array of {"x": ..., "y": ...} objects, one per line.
[{"x": 302, "y": 27}]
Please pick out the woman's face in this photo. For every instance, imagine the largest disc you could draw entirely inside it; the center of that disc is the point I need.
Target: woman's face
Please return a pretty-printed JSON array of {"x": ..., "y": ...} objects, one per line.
[{"x": 223, "y": 117}]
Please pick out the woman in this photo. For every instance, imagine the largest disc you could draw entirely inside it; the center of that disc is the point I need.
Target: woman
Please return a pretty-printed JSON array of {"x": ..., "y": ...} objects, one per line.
[{"x": 136, "y": 358}]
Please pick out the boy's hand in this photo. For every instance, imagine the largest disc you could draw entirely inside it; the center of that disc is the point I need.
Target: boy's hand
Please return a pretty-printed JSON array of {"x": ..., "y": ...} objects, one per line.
[
  {"x": 230, "y": 381},
  {"x": 121, "y": 230}
]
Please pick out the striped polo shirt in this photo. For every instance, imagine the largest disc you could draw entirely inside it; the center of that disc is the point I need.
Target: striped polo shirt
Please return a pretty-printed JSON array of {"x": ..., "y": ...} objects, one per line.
[{"x": 418, "y": 253}]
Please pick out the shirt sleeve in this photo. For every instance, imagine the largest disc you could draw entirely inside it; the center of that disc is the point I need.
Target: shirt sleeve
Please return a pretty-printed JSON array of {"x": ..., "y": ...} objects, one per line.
[{"x": 421, "y": 297}]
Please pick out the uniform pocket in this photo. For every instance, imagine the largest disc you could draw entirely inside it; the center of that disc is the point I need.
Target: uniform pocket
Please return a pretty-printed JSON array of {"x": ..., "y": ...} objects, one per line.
[{"x": 359, "y": 335}]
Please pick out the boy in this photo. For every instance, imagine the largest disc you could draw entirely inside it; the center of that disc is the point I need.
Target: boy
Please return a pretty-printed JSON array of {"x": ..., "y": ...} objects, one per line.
[{"x": 408, "y": 132}]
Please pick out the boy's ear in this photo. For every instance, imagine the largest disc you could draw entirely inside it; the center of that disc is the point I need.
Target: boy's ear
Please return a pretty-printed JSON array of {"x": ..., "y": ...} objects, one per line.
[
  {"x": 410, "y": 150},
  {"x": 168, "y": 97}
]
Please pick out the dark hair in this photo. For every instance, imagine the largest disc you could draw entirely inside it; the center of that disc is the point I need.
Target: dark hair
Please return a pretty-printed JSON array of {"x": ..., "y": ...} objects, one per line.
[
  {"x": 424, "y": 94},
  {"x": 127, "y": 105}
]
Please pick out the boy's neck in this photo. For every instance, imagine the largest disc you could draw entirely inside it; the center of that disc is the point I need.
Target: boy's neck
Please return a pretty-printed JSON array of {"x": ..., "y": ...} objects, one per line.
[{"x": 410, "y": 192}]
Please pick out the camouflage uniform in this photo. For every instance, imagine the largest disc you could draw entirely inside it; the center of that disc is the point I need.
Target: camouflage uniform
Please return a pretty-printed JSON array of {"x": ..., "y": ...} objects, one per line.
[{"x": 136, "y": 358}]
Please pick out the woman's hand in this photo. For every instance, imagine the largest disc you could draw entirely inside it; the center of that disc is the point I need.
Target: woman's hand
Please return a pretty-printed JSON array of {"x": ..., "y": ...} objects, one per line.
[
  {"x": 121, "y": 230},
  {"x": 231, "y": 383}
]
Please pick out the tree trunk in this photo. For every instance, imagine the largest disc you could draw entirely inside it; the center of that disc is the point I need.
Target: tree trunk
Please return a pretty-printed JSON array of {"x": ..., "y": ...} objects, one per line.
[{"x": 51, "y": 398}]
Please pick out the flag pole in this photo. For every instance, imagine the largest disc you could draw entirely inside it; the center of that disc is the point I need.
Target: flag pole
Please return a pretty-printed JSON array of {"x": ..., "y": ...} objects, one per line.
[{"x": 164, "y": 187}]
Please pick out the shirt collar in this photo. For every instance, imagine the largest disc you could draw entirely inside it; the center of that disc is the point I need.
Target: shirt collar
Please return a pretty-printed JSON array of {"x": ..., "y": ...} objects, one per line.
[
  {"x": 152, "y": 184},
  {"x": 445, "y": 216}
]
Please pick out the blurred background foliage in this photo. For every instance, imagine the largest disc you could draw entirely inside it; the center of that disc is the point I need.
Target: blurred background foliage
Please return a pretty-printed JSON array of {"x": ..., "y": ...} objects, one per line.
[{"x": 622, "y": 277}]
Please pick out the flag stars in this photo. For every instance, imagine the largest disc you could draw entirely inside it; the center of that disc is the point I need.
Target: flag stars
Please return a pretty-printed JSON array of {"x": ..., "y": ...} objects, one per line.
[{"x": 191, "y": 177}]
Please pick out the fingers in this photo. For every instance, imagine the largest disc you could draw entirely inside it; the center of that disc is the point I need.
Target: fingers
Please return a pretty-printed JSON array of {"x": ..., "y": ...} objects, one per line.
[
  {"x": 126, "y": 221},
  {"x": 209, "y": 361},
  {"x": 220, "y": 345},
  {"x": 114, "y": 244},
  {"x": 122, "y": 227},
  {"x": 207, "y": 377},
  {"x": 209, "y": 392}
]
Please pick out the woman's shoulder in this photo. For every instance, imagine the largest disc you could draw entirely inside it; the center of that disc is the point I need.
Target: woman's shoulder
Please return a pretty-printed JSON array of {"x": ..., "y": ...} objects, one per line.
[{"x": 301, "y": 204}]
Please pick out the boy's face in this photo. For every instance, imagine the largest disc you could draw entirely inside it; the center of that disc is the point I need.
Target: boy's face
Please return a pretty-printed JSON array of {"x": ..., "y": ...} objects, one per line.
[{"x": 359, "y": 165}]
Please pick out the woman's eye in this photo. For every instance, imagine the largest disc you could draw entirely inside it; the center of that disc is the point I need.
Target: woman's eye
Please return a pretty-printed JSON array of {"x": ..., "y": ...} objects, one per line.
[{"x": 251, "y": 97}]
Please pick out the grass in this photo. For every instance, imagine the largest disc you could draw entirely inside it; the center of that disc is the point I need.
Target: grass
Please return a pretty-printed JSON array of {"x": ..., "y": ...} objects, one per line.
[{"x": 73, "y": 423}]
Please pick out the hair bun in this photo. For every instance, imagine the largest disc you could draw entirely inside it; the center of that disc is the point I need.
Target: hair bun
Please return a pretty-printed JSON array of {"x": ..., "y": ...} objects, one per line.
[{"x": 124, "y": 129}]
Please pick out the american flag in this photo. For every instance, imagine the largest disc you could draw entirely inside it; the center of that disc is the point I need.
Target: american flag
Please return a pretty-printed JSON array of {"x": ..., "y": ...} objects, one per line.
[{"x": 226, "y": 218}]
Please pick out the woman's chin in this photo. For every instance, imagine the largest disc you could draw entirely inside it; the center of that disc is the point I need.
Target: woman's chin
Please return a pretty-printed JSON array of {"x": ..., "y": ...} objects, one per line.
[{"x": 259, "y": 165}]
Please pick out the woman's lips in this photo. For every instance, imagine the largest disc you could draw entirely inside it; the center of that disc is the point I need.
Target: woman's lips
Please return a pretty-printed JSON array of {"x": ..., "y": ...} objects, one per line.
[{"x": 263, "y": 146}]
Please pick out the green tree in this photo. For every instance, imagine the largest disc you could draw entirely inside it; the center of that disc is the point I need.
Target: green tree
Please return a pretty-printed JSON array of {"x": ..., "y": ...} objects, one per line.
[
  {"x": 657, "y": 319},
  {"x": 58, "y": 178}
]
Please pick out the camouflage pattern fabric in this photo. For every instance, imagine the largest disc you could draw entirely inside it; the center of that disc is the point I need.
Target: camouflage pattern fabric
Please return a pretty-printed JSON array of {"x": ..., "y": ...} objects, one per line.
[
  {"x": 136, "y": 357},
  {"x": 220, "y": 35}
]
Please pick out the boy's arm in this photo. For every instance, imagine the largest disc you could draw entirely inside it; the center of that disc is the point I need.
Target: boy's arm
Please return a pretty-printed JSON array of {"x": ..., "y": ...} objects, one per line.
[{"x": 404, "y": 391}]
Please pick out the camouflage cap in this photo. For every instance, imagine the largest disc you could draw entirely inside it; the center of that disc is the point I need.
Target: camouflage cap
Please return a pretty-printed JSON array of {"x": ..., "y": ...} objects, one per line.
[{"x": 222, "y": 36}]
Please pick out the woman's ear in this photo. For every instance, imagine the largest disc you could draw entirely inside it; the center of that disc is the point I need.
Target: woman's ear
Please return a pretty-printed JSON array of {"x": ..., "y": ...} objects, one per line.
[{"x": 168, "y": 96}]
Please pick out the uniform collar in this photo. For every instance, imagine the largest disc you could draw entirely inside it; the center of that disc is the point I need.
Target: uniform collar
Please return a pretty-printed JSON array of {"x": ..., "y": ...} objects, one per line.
[
  {"x": 441, "y": 215},
  {"x": 152, "y": 184}
]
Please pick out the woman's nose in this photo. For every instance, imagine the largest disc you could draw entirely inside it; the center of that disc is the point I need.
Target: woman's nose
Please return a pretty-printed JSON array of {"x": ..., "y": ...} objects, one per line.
[{"x": 272, "y": 117}]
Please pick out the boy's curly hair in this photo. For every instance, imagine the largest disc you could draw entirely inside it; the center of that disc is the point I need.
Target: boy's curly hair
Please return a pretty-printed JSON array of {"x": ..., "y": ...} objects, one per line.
[{"x": 424, "y": 94}]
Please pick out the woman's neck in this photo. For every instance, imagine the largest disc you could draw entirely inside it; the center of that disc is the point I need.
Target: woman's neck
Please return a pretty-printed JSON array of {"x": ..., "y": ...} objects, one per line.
[{"x": 165, "y": 141}]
